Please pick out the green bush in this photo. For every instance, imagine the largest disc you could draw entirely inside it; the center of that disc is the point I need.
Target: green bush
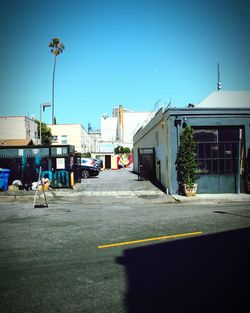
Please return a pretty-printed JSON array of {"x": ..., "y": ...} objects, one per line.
[
  {"x": 121, "y": 150},
  {"x": 186, "y": 164}
]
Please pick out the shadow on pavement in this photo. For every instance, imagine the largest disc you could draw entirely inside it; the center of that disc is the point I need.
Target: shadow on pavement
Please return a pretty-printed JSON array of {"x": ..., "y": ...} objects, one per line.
[
  {"x": 235, "y": 214},
  {"x": 210, "y": 273}
]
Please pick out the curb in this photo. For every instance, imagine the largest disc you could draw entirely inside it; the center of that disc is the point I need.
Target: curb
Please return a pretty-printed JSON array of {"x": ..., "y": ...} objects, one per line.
[
  {"x": 213, "y": 198},
  {"x": 199, "y": 198}
]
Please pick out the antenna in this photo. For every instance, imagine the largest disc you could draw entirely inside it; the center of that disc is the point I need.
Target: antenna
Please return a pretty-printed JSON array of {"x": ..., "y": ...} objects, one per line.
[
  {"x": 218, "y": 77},
  {"x": 169, "y": 104}
]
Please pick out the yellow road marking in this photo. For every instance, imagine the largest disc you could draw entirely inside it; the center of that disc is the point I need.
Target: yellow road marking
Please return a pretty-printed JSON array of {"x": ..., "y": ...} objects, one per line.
[{"x": 148, "y": 239}]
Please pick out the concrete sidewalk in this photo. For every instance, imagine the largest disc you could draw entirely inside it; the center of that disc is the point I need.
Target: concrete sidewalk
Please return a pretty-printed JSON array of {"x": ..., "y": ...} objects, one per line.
[
  {"x": 214, "y": 198},
  {"x": 124, "y": 183},
  {"x": 66, "y": 193}
]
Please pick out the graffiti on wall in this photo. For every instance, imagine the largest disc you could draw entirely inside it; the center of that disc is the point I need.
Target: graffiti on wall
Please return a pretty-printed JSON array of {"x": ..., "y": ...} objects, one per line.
[{"x": 125, "y": 160}]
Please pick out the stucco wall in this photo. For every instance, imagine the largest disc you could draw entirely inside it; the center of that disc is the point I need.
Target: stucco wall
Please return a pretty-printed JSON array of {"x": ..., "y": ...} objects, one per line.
[
  {"x": 18, "y": 127},
  {"x": 76, "y": 135},
  {"x": 108, "y": 128},
  {"x": 154, "y": 135}
]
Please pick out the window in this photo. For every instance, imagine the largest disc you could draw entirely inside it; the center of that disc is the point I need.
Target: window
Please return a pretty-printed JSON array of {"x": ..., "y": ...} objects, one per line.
[
  {"x": 55, "y": 138},
  {"x": 64, "y": 139},
  {"x": 218, "y": 150},
  {"x": 59, "y": 151}
]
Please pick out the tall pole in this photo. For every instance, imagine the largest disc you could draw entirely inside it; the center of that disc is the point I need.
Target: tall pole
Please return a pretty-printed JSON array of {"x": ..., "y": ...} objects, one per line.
[
  {"x": 42, "y": 106},
  {"x": 53, "y": 91},
  {"x": 41, "y": 124},
  {"x": 218, "y": 77}
]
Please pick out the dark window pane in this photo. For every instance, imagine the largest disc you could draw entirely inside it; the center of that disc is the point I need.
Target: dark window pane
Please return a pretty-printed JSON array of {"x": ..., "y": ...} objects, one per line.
[
  {"x": 209, "y": 166},
  {"x": 221, "y": 166},
  {"x": 214, "y": 150},
  {"x": 221, "y": 150},
  {"x": 207, "y": 150},
  {"x": 200, "y": 147},
  {"x": 215, "y": 169},
  {"x": 228, "y": 150},
  {"x": 206, "y": 135},
  {"x": 217, "y": 150},
  {"x": 202, "y": 167},
  {"x": 228, "y": 134},
  {"x": 229, "y": 168},
  {"x": 234, "y": 150}
]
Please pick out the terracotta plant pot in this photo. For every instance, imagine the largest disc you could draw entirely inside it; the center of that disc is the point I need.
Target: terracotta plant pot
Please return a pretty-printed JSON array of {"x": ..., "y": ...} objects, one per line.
[{"x": 189, "y": 191}]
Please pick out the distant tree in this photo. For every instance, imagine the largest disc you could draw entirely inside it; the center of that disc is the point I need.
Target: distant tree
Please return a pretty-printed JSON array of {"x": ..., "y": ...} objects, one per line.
[
  {"x": 46, "y": 133},
  {"x": 118, "y": 150},
  {"x": 126, "y": 150},
  {"x": 121, "y": 149},
  {"x": 56, "y": 48},
  {"x": 86, "y": 155}
]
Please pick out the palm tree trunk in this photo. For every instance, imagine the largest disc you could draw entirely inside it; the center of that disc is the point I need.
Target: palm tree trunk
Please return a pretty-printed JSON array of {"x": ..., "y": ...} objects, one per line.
[{"x": 53, "y": 92}]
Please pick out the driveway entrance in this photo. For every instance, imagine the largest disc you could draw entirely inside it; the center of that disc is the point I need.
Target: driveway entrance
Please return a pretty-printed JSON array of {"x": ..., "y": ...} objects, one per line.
[{"x": 122, "y": 182}]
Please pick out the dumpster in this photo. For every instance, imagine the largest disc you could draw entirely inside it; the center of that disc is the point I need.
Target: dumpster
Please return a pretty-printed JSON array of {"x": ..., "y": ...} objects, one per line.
[{"x": 4, "y": 178}]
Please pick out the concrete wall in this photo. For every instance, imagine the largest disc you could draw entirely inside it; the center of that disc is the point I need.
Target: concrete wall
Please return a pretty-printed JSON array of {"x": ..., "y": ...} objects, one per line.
[
  {"x": 154, "y": 135},
  {"x": 18, "y": 127}
]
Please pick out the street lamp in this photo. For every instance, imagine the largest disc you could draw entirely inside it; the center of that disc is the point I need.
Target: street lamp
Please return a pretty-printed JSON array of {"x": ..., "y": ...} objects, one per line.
[{"x": 42, "y": 107}]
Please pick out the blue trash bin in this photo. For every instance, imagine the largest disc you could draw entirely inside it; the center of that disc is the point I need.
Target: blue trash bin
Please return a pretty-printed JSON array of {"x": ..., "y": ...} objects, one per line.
[{"x": 4, "y": 178}]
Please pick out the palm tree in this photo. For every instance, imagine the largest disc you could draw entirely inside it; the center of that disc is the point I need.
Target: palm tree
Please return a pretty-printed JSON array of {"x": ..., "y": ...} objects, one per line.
[{"x": 56, "y": 48}]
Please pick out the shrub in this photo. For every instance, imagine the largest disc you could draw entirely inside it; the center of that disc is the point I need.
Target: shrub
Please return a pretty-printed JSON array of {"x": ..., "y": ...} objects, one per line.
[{"x": 186, "y": 164}]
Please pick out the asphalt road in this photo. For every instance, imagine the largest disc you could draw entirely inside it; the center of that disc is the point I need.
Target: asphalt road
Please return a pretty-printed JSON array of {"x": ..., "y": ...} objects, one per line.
[
  {"x": 53, "y": 260},
  {"x": 50, "y": 260}
]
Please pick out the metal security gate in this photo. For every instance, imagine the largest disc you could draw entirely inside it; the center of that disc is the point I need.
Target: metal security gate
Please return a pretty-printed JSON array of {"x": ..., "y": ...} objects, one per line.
[
  {"x": 221, "y": 163},
  {"x": 146, "y": 164}
]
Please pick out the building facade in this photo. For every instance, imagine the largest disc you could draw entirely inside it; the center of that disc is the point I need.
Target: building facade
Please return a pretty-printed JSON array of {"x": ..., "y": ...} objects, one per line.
[
  {"x": 72, "y": 134},
  {"x": 221, "y": 129},
  {"x": 120, "y": 128},
  {"x": 19, "y": 127}
]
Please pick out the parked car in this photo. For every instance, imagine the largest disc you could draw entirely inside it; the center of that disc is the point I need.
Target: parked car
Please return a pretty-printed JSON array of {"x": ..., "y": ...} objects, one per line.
[
  {"x": 98, "y": 163},
  {"x": 87, "y": 162},
  {"x": 88, "y": 171}
]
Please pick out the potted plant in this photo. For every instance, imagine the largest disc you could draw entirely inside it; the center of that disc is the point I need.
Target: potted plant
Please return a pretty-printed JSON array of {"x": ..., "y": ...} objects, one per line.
[{"x": 186, "y": 164}]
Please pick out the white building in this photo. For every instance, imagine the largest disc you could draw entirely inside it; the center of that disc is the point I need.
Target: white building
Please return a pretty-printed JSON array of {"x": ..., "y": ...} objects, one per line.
[
  {"x": 18, "y": 127},
  {"x": 96, "y": 136},
  {"x": 72, "y": 134},
  {"x": 121, "y": 127}
]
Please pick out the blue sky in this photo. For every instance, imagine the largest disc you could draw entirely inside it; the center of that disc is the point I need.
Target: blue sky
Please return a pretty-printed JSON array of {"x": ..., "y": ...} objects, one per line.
[{"x": 119, "y": 52}]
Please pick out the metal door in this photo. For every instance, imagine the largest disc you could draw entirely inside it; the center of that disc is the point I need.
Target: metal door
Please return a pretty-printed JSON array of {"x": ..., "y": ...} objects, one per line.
[{"x": 146, "y": 164}]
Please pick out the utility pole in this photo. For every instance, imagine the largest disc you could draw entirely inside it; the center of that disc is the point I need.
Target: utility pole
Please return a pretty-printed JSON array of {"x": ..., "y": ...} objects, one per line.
[{"x": 42, "y": 107}]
